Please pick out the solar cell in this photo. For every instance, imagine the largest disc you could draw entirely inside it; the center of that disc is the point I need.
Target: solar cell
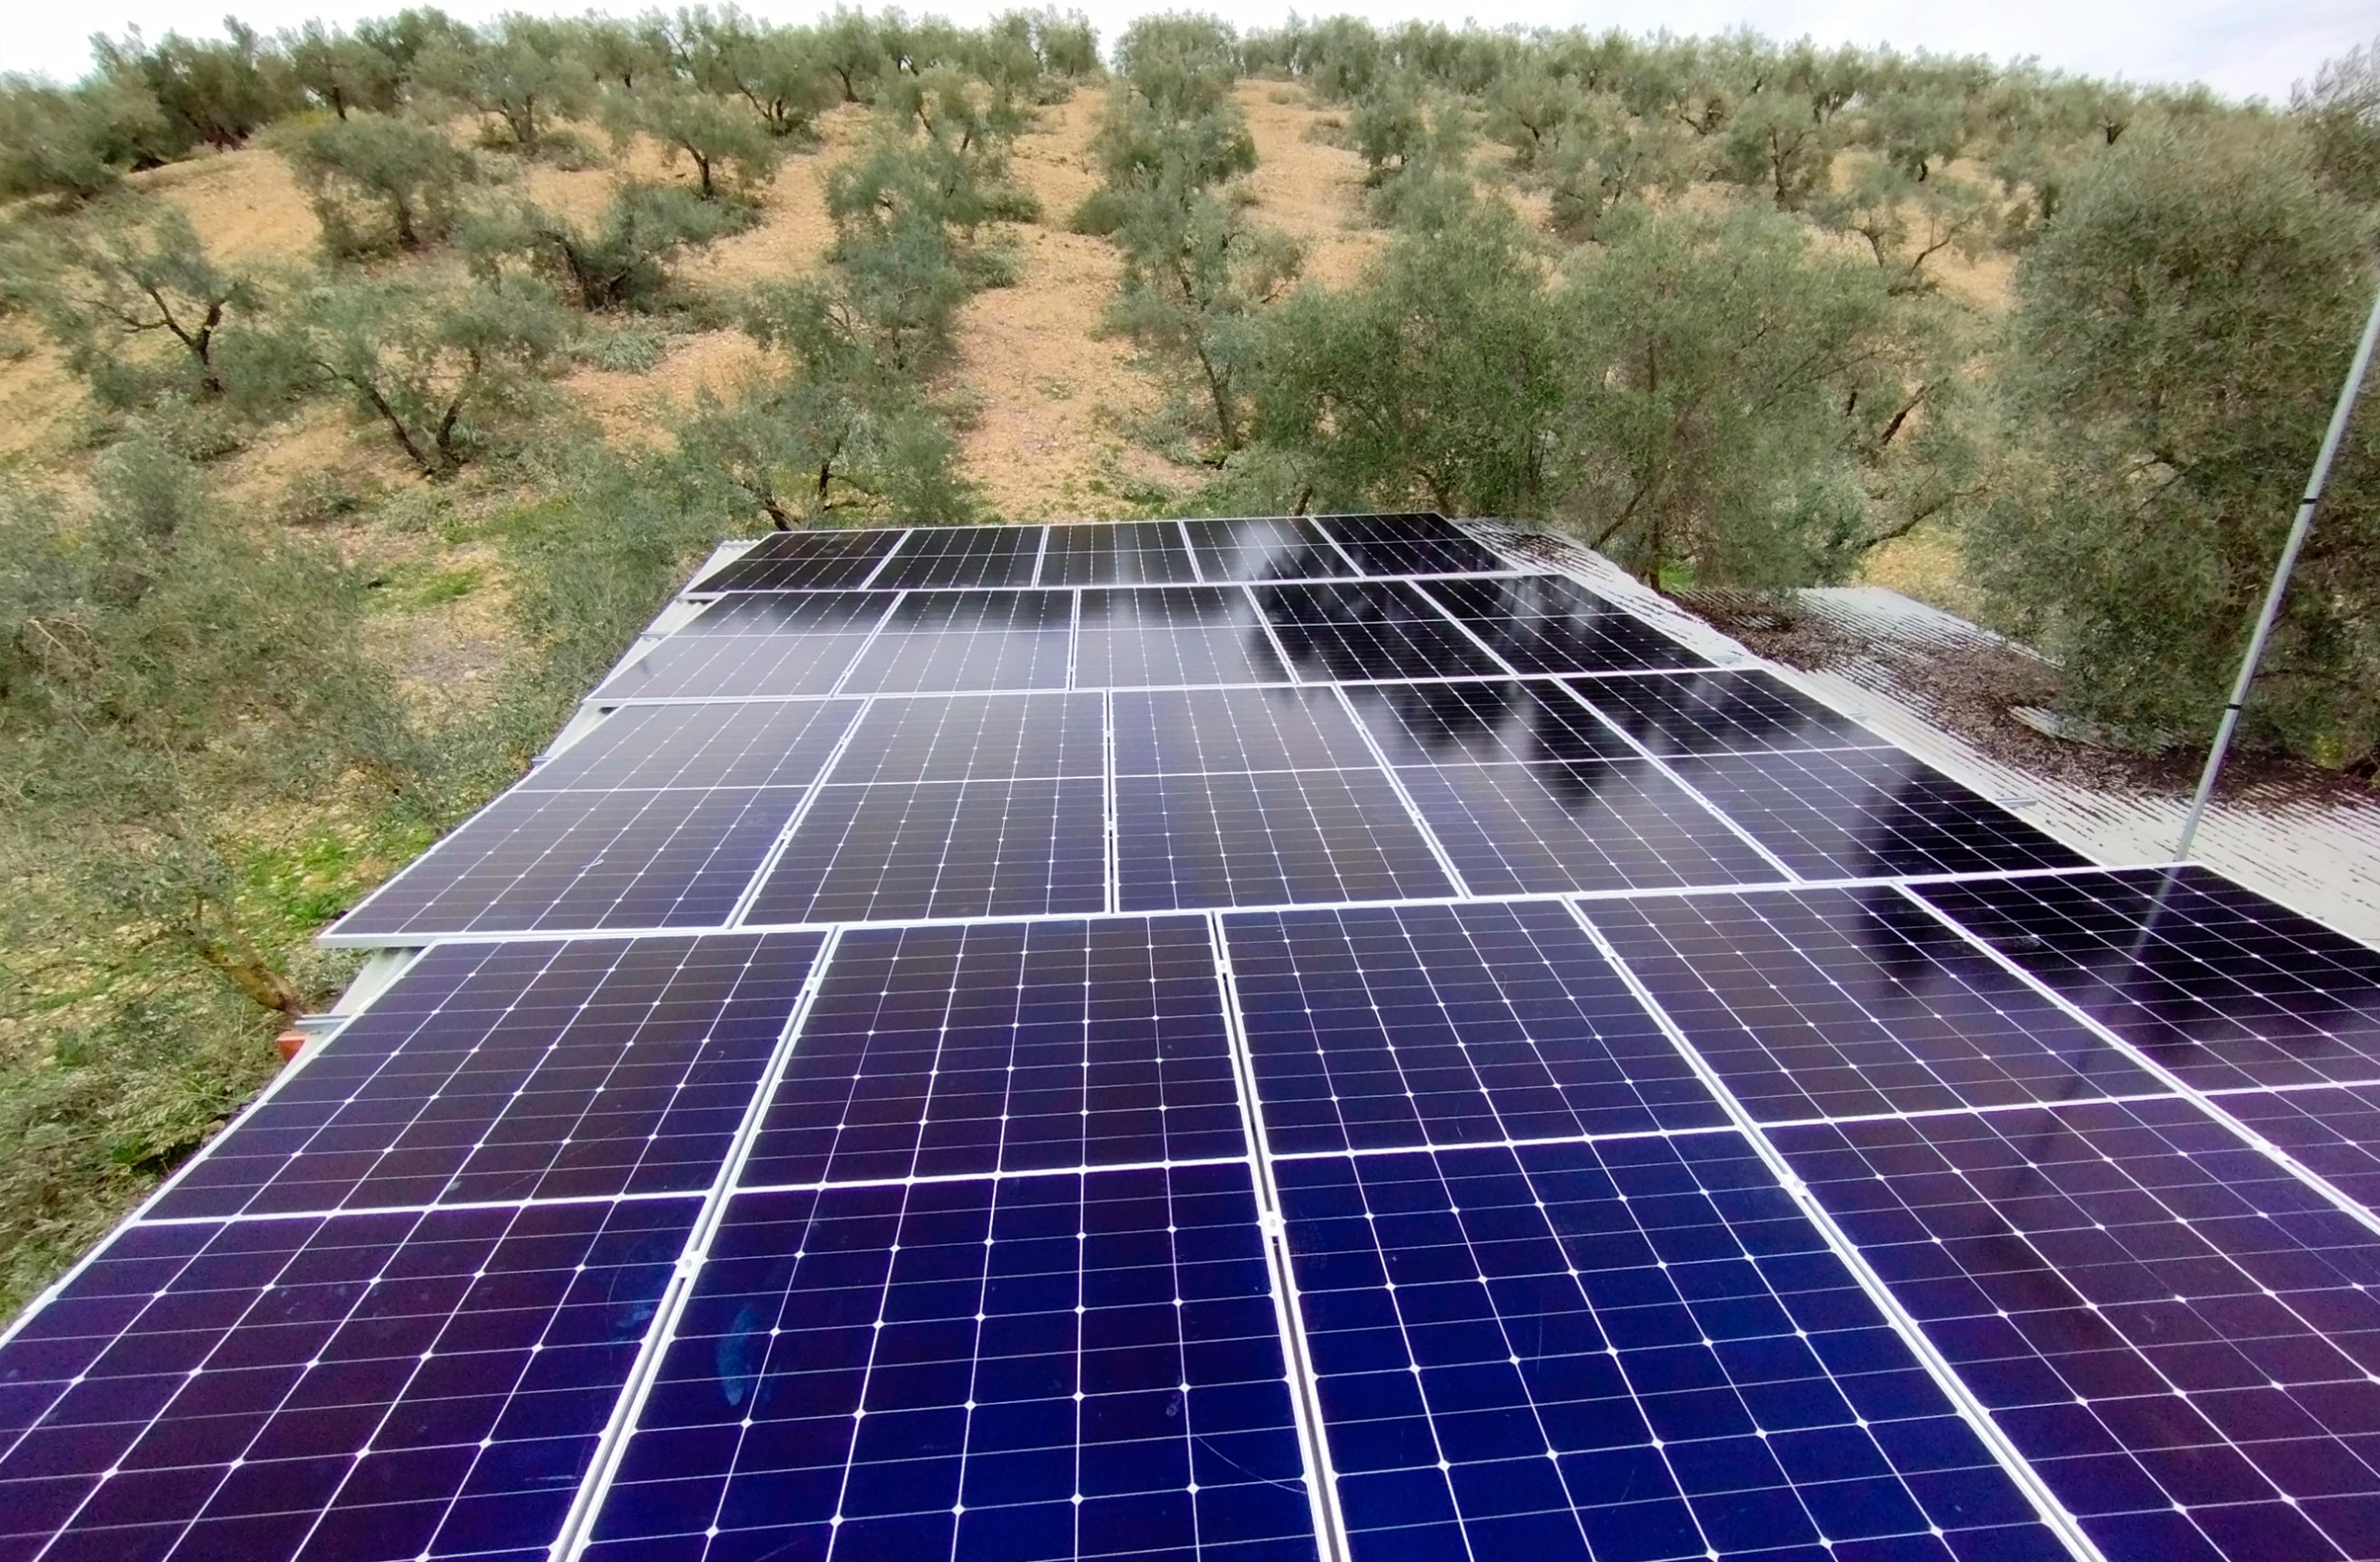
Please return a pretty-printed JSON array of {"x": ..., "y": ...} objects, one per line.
[
  {"x": 964, "y": 556},
  {"x": 803, "y": 562},
  {"x": 1267, "y": 839},
  {"x": 1403, "y": 1027},
  {"x": 1280, "y": 548},
  {"x": 1869, "y": 814},
  {"x": 2176, "y": 1332},
  {"x": 779, "y": 643},
  {"x": 937, "y": 641},
  {"x": 1200, "y": 731},
  {"x": 771, "y": 743},
  {"x": 941, "y": 849},
  {"x": 1409, "y": 545},
  {"x": 1078, "y": 1365},
  {"x": 1368, "y": 628},
  {"x": 1482, "y": 723},
  {"x": 513, "y": 1071},
  {"x": 570, "y": 861},
  {"x": 1735, "y": 711},
  {"x": 2213, "y": 981},
  {"x": 373, "y": 1385},
  {"x": 1545, "y": 623},
  {"x": 981, "y": 737},
  {"x": 1630, "y": 1348},
  {"x": 1133, "y": 553},
  {"x": 1828, "y": 1003},
  {"x": 1186, "y": 635},
  {"x": 949, "y": 1050}
]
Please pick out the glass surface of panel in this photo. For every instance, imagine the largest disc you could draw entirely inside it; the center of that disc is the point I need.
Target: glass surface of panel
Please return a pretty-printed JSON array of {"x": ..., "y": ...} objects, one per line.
[
  {"x": 2182, "y": 1338},
  {"x": 2213, "y": 981},
  {"x": 512, "y": 1071},
  {"x": 707, "y": 743},
  {"x": 1631, "y": 1348},
  {"x": 1410, "y": 545},
  {"x": 941, "y": 849},
  {"x": 803, "y": 562},
  {"x": 976, "y": 737},
  {"x": 1125, "y": 553},
  {"x": 1199, "y": 634},
  {"x": 1829, "y": 1003},
  {"x": 964, "y": 556},
  {"x": 1483, "y": 721},
  {"x": 1869, "y": 814},
  {"x": 1038, "y": 1366},
  {"x": 1549, "y": 623},
  {"x": 1401, "y": 1026},
  {"x": 535, "y": 862},
  {"x": 780, "y": 644},
  {"x": 948, "y": 1050},
  {"x": 938, "y": 641},
  {"x": 1369, "y": 628},
  {"x": 1732, "y": 711},
  {"x": 374, "y": 1385},
  {"x": 1269, "y": 838},
  {"x": 1277, "y": 547},
  {"x": 1200, "y": 731}
]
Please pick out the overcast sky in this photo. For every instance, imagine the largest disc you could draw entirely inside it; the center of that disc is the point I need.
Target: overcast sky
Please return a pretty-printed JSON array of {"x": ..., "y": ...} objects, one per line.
[{"x": 2242, "y": 47}]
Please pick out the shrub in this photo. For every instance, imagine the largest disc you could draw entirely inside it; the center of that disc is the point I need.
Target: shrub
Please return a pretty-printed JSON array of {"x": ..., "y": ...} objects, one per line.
[{"x": 379, "y": 182}]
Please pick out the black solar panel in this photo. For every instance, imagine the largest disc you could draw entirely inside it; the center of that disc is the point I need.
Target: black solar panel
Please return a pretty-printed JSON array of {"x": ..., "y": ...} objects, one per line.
[
  {"x": 1247, "y": 1040},
  {"x": 803, "y": 562}
]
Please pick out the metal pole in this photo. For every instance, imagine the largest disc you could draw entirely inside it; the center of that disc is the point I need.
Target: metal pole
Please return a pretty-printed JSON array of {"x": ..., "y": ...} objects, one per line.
[{"x": 2304, "y": 524}]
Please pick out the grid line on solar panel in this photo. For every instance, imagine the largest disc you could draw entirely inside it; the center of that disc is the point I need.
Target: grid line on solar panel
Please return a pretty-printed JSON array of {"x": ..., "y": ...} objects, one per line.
[
  {"x": 1286, "y": 837},
  {"x": 1114, "y": 887},
  {"x": 1445, "y": 1026},
  {"x": 1110, "y": 553},
  {"x": 782, "y": 643},
  {"x": 1071, "y": 1365},
  {"x": 533, "y": 862},
  {"x": 964, "y": 556},
  {"x": 1339, "y": 631},
  {"x": 1819, "y": 1003},
  {"x": 738, "y": 914},
  {"x": 1263, "y": 548},
  {"x": 1551, "y": 624},
  {"x": 1018, "y": 736},
  {"x": 2180, "y": 1335},
  {"x": 419, "y": 1384},
  {"x": 1388, "y": 545},
  {"x": 2045, "y": 1502},
  {"x": 773, "y": 742},
  {"x": 1634, "y": 1349},
  {"x": 960, "y": 642},
  {"x": 1172, "y": 636},
  {"x": 1413, "y": 811},
  {"x": 974, "y": 1050},
  {"x": 502, "y": 1072},
  {"x": 803, "y": 561}
]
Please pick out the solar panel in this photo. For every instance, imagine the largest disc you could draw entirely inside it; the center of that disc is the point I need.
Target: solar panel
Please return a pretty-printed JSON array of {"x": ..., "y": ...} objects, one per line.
[{"x": 1248, "y": 1039}]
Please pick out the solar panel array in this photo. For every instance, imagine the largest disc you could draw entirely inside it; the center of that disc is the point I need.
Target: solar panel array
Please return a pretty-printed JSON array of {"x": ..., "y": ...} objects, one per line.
[{"x": 1301, "y": 1039}]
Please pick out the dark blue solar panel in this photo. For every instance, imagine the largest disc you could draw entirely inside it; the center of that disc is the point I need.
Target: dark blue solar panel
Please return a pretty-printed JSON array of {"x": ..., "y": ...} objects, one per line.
[
  {"x": 1041, "y": 1367},
  {"x": 777, "y": 644},
  {"x": 1409, "y": 544},
  {"x": 1547, "y": 623},
  {"x": 2181, "y": 1337},
  {"x": 1839, "y": 1002},
  {"x": 1368, "y": 628},
  {"x": 955, "y": 641},
  {"x": 1869, "y": 814},
  {"x": 1266, "y": 840},
  {"x": 565, "y": 861},
  {"x": 509, "y": 1071},
  {"x": 1633, "y": 1349},
  {"x": 1731, "y": 712},
  {"x": 941, "y": 849},
  {"x": 2334, "y": 1133},
  {"x": 1200, "y": 731},
  {"x": 364, "y": 1387},
  {"x": 964, "y": 556},
  {"x": 1200, "y": 634},
  {"x": 1484, "y": 722},
  {"x": 728, "y": 742},
  {"x": 1275, "y": 548},
  {"x": 1449, "y": 1024},
  {"x": 803, "y": 561},
  {"x": 2216, "y": 982},
  {"x": 1133, "y": 553},
  {"x": 936, "y": 1051},
  {"x": 976, "y": 737}
]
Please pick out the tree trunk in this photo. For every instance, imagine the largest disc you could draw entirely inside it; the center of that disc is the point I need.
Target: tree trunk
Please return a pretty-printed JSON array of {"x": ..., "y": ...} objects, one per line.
[{"x": 244, "y": 966}]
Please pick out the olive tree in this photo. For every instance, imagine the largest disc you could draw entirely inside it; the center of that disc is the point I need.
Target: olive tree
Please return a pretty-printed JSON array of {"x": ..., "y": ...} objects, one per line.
[{"x": 380, "y": 182}]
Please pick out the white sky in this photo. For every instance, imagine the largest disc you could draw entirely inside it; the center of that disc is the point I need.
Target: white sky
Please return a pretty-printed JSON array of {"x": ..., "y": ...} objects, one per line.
[{"x": 2242, "y": 47}]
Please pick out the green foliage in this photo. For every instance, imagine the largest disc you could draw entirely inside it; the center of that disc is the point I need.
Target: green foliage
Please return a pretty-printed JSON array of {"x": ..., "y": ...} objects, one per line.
[
  {"x": 436, "y": 368},
  {"x": 74, "y": 143},
  {"x": 731, "y": 151},
  {"x": 139, "y": 309},
  {"x": 340, "y": 72},
  {"x": 1170, "y": 126},
  {"x": 2180, "y": 331},
  {"x": 1600, "y": 159},
  {"x": 1196, "y": 277},
  {"x": 814, "y": 448},
  {"x": 211, "y": 94},
  {"x": 379, "y": 182},
  {"x": 522, "y": 75},
  {"x": 780, "y": 73},
  {"x": 623, "y": 261},
  {"x": 2341, "y": 113}
]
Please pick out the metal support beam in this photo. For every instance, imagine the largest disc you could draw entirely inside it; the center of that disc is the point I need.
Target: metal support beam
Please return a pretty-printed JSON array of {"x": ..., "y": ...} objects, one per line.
[{"x": 2304, "y": 524}]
